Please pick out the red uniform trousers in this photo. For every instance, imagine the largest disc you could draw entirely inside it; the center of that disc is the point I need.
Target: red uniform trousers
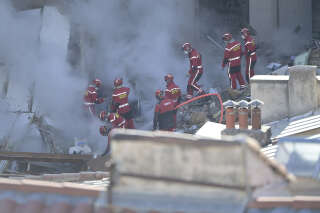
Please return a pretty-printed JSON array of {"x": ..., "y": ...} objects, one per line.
[
  {"x": 193, "y": 80},
  {"x": 234, "y": 75},
  {"x": 251, "y": 62}
]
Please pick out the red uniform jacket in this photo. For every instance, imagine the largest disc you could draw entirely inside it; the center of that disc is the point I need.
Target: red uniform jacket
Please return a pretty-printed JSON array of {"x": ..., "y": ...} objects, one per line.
[
  {"x": 195, "y": 62},
  {"x": 120, "y": 100},
  {"x": 117, "y": 121},
  {"x": 91, "y": 98},
  {"x": 164, "y": 115},
  {"x": 173, "y": 92},
  {"x": 232, "y": 54},
  {"x": 250, "y": 49}
]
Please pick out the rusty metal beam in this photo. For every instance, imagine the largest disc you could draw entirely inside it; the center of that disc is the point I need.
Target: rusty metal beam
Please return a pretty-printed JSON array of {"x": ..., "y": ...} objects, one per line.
[{"x": 44, "y": 157}]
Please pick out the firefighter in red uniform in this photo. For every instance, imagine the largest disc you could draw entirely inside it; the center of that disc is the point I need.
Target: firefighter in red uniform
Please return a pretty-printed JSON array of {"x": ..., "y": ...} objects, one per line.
[
  {"x": 249, "y": 52},
  {"x": 232, "y": 58},
  {"x": 164, "y": 114},
  {"x": 97, "y": 82},
  {"x": 120, "y": 102},
  {"x": 195, "y": 71},
  {"x": 91, "y": 99},
  {"x": 115, "y": 119},
  {"x": 172, "y": 91}
]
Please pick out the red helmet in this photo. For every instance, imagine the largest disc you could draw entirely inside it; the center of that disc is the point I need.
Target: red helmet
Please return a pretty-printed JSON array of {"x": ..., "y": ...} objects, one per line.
[
  {"x": 168, "y": 77},
  {"x": 186, "y": 47},
  {"x": 103, "y": 115},
  {"x": 91, "y": 89},
  {"x": 227, "y": 36},
  {"x": 245, "y": 32},
  {"x": 117, "y": 82},
  {"x": 103, "y": 130},
  {"x": 97, "y": 82}
]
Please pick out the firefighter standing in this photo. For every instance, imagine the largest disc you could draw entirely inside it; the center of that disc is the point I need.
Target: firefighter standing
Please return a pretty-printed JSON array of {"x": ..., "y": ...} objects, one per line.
[
  {"x": 195, "y": 71},
  {"x": 164, "y": 114},
  {"x": 91, "y": 99},
  {"x": 172, "y": 91},
  {"x": 97, "y": 82},
  {"x": 249, "y": 52},
  {"x": 120, "y": 102},
  {"x": 232, "y": 58}
]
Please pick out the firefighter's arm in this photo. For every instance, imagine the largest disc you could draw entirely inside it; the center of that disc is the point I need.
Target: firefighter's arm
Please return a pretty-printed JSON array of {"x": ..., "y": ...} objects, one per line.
[
  {"x": 155, "y": 120},
  {"x": 99, "y": 100},
  {"x": 113, "y": 106},
  {"x": 156, "y": 117},
  {"x": 225, "y": 58}
]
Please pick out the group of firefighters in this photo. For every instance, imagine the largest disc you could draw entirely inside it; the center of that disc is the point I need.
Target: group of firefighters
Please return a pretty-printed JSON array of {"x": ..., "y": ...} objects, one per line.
[{"x": 121, "y": 115}]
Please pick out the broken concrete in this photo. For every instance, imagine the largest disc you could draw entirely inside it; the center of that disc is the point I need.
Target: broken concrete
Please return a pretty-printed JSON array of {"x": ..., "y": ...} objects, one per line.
[{"x": 263, "y": 135}]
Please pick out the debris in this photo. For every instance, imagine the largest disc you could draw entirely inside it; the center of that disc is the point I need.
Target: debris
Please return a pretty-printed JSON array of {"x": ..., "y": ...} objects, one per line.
[
  {"x": 198, "y": 117},
  {"x": 302, "y": 59},
  {"x": 273, "y": 66},
  {"x": 281, "y": 71},
  {"x": 80, "y": 147}
]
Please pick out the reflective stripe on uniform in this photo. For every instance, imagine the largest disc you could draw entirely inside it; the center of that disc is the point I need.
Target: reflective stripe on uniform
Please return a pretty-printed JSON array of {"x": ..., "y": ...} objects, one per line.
[
  {"x": 122, "y": 123},
  {"x": 169, "y": 90},
  {"x": 88, "y": 104},
  {"x": 232, "y": 59},
  {"x": 199, "y": 67},
  {"x": 195, "y": 77},
  {"x": 194, "y": 57},
  {"x": 123, "y": 105},
  {"x": 232, "y": 47},
  {"x": 119, "y": 94},
  {"x": 253, "y": 53},
  {"x": 249, "y": 71},
  {"x": 249, "y": 42},
  {"x": 114, "y": 118}
]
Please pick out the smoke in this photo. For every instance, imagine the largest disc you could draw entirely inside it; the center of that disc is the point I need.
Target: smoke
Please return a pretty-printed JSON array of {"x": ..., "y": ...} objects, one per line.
[
  {"x": 39, "y": 64},
  {"x": 138, "y": 41}
]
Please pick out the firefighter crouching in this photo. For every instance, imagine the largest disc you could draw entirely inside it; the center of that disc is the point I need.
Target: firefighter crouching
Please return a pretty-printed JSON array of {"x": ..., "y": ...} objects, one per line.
[
  {"x": 195, "y": 71},
  {"x": 232, "y": 58},
  {"x": 120, "y": 102},
  {"x": 164, "y": 114},
  {"x": 116, "y": 120},
  {"x": 249, "y": 52}
]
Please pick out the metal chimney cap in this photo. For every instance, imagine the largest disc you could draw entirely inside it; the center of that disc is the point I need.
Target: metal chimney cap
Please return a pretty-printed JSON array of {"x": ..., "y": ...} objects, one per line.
[
  {"x": 229, "y": 104},
  {"x": 256, "y": 103},
  {"x": 243, "y": 104}
]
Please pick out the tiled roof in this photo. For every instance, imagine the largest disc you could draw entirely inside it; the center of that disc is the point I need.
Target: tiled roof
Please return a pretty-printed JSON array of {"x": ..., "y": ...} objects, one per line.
[{"x": 35, "y": 196}]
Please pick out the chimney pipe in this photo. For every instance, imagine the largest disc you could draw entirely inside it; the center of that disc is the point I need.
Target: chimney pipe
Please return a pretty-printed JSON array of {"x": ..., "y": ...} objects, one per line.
[
  {"x": 243, "y": 114},
  {"x": 230, "y": 114},
  {"x": 256, "y": 114}
]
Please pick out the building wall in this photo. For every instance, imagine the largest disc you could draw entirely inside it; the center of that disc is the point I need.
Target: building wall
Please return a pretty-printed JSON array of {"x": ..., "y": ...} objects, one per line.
[
  {"x": 287, "y": 96},
  {"x": 262, "y": 17},
  {"x": 268, "y": 17}
]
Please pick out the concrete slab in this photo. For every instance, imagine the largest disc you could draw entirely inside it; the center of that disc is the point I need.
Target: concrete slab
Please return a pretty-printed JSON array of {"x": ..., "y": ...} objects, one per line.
[{"x": 211, "y": 130}]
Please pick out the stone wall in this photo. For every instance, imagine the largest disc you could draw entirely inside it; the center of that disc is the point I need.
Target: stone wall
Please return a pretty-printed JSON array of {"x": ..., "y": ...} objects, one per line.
[{"x": 287, "y": 96}]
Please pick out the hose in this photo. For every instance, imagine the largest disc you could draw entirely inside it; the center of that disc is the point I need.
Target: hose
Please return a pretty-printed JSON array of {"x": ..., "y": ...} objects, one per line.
[{"x": 202, "y": 96}]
